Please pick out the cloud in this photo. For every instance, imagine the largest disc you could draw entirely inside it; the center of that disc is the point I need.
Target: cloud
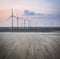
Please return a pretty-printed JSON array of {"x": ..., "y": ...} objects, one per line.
[
  {"x": 31, "y": 13},
  {"x": 41, "y": 15}
]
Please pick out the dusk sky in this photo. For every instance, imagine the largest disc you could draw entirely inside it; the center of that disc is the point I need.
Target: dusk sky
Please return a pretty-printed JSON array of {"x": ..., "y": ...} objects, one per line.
[{"x": 42, "y": 8}]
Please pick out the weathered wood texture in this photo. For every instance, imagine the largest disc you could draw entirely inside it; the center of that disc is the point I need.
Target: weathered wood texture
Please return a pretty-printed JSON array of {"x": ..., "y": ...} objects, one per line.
[{"x": 29, "y": 46}]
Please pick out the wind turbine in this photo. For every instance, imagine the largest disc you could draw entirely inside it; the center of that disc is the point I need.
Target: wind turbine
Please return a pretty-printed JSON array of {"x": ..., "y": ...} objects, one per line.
[
  {"x": 25, "y": 20},
  {"x": 17, "y": 20},
  {"x": 29, "y": 22},
  {"x": 12, "y": 16},
  {"x": 51, "y": 24}
]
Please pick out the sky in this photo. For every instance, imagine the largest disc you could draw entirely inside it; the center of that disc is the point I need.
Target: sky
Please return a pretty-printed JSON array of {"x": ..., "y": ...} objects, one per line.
[{"x": 48, "y": 10}]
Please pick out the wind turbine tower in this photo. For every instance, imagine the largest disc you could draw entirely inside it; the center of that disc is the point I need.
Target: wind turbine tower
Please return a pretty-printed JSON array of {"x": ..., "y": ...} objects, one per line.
[
  {"x": 18, "y": 20},
  {"x": 29, "y": 22},
  {"x": 12, "y": 16},
  {"x": 25, "y": 21},
  {"x": 52, "y": 24}
]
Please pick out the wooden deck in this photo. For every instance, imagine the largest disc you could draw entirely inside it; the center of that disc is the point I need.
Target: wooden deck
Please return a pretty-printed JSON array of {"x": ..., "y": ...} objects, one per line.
[{"x": 29, "y": 46}]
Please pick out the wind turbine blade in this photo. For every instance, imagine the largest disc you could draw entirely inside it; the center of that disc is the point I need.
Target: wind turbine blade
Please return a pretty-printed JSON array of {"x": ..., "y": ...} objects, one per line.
[
  {"x": 20, "y": 18},
  {"x": 12, "y": 11},
  {"x": 26, "y": 17},
  {"x": 9, "y": 17},
  {"x": 15, "y": 16}
]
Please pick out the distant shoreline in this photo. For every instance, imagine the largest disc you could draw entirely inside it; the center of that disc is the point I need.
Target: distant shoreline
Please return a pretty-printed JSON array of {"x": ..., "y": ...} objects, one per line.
[{"x": 29, "y": 29}]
